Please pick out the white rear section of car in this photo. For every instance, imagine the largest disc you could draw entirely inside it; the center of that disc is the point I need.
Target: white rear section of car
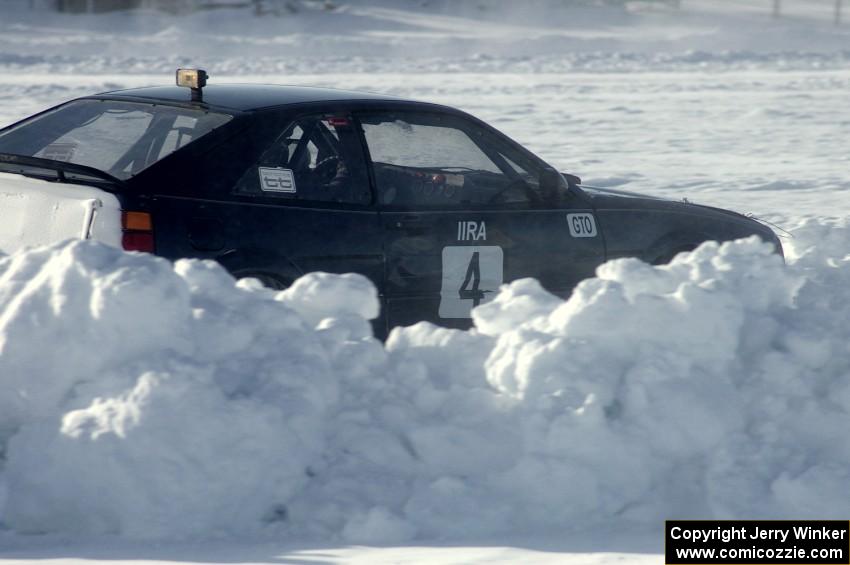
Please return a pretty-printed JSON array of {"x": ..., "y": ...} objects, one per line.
[{"x": 35, "y": 212}]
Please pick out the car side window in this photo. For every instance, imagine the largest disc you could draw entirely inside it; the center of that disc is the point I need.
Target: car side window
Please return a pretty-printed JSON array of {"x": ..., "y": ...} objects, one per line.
[
  {"x": 316, "y": 158},
  {"x": 433, "y": 160}
]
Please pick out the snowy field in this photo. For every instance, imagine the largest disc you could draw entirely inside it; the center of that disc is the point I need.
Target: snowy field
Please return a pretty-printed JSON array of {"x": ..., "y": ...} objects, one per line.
[{"x": 150, "y": 412}]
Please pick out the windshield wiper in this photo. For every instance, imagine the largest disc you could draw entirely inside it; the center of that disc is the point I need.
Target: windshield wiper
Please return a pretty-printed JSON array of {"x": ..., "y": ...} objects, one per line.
[{"x": 65, "y": 172}]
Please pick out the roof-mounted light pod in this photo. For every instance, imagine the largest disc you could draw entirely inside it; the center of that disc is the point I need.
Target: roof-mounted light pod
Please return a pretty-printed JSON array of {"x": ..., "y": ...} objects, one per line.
[{"x": 196, "y": 79}]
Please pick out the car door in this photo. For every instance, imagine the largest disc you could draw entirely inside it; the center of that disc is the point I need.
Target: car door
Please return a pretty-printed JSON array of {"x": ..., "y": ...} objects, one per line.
[
  {"x": 463, "y": 211},
  {"x": 300, "y": 202}
]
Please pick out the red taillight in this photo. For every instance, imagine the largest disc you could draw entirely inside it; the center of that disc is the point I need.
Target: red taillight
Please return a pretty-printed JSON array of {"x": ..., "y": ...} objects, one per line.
[{"x": 137, "y": 231}]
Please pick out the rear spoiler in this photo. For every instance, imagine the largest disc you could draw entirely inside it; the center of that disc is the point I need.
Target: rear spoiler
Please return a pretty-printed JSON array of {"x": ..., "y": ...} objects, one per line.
[{"x": 11, "y": 162}]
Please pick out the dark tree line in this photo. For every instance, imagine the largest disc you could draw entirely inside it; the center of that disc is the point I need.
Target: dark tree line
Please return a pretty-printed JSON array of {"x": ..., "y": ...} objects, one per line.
[
  {"x": 260, "y": 7},
  {"x": 278, "y": 7}
]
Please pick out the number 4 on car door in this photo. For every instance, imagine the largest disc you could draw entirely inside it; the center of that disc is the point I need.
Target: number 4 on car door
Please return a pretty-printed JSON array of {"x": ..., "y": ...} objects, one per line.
[{"x": 471, "y": 276}]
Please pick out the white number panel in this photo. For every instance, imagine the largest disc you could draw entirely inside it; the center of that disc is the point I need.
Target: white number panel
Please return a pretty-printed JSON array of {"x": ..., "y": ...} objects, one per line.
[{"x": 471, "y": 276}]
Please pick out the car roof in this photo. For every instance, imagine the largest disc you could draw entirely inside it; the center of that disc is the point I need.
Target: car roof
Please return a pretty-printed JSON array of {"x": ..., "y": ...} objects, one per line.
[{"x": 246, "y": 97}]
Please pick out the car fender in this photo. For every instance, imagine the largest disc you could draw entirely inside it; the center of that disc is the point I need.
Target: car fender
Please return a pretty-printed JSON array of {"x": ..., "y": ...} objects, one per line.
[{"x": 669, "y": 245}]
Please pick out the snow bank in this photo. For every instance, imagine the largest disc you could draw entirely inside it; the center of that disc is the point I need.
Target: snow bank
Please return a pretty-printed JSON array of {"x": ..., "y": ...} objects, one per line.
[{"x": 152, "y": 400}]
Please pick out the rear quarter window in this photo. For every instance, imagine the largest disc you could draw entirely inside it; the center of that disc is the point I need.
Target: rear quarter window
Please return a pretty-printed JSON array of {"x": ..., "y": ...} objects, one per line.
[{"x": 117, "y": 137}]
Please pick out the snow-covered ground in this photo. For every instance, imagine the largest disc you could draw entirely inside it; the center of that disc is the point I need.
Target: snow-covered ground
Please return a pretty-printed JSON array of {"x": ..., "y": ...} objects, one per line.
[{"x": 143, "y": 402}]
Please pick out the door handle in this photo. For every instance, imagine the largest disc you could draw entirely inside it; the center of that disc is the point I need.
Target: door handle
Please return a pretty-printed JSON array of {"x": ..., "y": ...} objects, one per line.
[{"x": 409, "y": 223}]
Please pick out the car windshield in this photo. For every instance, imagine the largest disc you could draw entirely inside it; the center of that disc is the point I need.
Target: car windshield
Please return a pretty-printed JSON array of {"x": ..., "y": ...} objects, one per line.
[{"x": 117, "y": 137}]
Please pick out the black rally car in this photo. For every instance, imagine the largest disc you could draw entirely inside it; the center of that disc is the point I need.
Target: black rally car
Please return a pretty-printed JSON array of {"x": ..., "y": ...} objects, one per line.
[{"x": 434, "y": 206}]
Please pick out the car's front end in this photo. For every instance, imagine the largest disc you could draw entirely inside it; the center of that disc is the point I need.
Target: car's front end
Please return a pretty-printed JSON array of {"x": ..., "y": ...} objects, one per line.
[{"x": 656, "y": 229}]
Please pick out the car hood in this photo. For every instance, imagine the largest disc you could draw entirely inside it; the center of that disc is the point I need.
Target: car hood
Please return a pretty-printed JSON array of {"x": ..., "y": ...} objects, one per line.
[
  {"x": 606, "y": 198},
  {"x": 598, "y": 192}
]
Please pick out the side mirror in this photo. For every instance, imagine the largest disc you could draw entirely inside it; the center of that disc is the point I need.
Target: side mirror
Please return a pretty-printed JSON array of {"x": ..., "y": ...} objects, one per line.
[
  {"x": 572, "y": 180},
  {"x": 551, "y": 183}
]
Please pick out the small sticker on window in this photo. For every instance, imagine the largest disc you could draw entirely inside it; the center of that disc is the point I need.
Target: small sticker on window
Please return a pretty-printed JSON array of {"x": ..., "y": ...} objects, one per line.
[
  {"x": 455, "y": 180},
  {"x": 277, "y": 179},
  {"x": 63, "y": 152}
]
